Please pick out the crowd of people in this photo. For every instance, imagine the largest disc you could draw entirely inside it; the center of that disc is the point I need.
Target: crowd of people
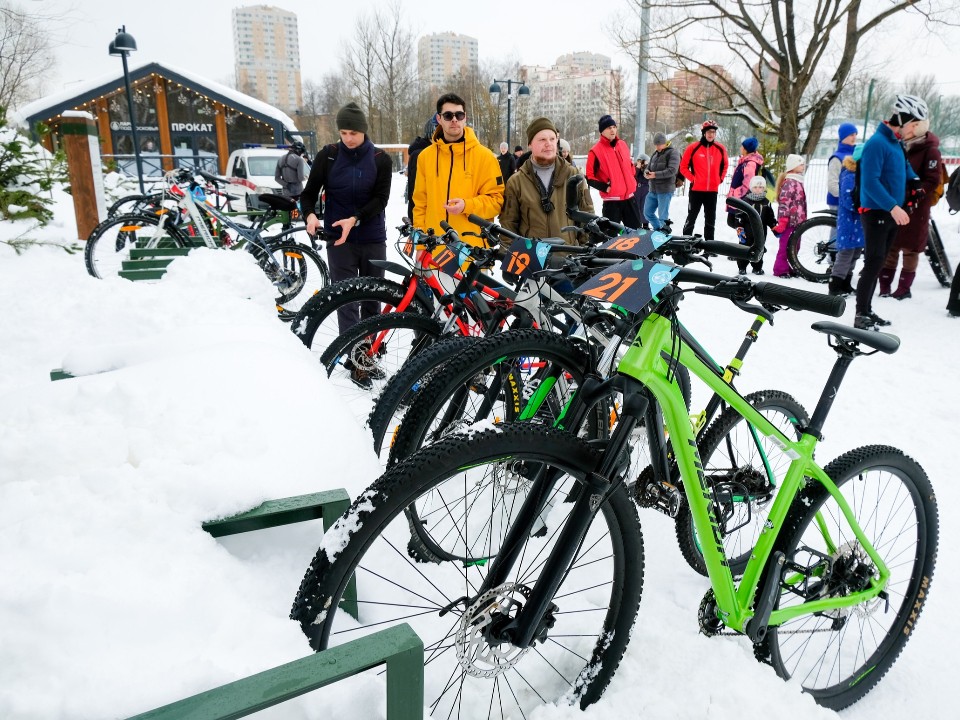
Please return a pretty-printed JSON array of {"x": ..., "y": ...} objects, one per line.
[{"x": 881, "y": 191}]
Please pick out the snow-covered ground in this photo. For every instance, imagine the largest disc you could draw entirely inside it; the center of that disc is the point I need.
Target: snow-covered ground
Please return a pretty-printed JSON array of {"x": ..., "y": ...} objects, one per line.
[{"x": 194, "y": 402}]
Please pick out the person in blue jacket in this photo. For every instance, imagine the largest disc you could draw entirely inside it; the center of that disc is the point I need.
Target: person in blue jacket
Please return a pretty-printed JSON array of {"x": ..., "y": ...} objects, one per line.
[{"x": 884, "y": 172}]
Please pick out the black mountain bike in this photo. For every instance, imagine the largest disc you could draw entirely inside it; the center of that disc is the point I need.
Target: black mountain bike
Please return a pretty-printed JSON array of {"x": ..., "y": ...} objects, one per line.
[{"x": 812, "y": 249}]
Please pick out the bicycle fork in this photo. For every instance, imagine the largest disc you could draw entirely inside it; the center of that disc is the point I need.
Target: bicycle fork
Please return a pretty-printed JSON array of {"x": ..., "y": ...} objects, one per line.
[{"x": 532, "y": 621}]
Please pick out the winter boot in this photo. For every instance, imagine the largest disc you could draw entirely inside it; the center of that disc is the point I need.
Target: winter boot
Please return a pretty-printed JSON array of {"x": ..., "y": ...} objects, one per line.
[
  {"x": 847, "y": 288},
  {"x": 885, "y": 281},
  {"x": 903, "y": 288},
  {"x": 835, "y": 286}
]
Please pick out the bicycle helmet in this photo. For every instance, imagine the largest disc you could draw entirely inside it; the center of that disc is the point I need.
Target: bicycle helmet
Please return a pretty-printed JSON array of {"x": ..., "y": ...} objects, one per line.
[
  {"x": 708, "y": 125},
  {"x": 909, "y": 107}
]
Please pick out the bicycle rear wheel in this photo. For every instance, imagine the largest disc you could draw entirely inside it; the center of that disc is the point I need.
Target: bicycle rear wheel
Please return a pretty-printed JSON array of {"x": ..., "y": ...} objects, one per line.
[
  {"x": 297, "y": 271},
  {"x": 465, "y": 674},
  {"x": 937, "y": 255},
  {"x": 112, "y": 242},
  {"x": 839, "y": 655},
  {"x": 743, "y": 470},
  {"x": 811, "y": 250}
]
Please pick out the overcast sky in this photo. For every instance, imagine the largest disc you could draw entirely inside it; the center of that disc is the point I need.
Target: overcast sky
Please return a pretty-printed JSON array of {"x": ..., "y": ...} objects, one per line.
[{"x": 198, "y": 35}]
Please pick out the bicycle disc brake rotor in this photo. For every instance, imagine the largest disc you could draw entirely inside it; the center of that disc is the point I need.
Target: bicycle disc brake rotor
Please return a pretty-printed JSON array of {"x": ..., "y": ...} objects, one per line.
[
  {"x": 509, "y": 479},
  {"x": 476, "y": 655},
  {"x": 851, "y": 572},
  {"x": 361, "y": 355}
]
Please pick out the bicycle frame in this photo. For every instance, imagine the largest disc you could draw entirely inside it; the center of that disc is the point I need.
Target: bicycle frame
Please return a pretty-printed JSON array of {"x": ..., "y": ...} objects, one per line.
[{"x": 645, "y": 362}]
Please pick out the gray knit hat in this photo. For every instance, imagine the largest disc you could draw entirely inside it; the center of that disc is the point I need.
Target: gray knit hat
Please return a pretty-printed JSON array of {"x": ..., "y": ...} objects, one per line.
[
  {"x": 351, "y": 117},
  {"x": 659, "y": 139}
]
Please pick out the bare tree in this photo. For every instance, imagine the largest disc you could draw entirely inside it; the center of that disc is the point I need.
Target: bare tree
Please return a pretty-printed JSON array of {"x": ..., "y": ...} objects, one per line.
[
  {"x": 787, "y": 60},
  {"x": 359, "y": 64},
  {"x": 24, "y": 53},
  {"x": 396, "y": 67}
]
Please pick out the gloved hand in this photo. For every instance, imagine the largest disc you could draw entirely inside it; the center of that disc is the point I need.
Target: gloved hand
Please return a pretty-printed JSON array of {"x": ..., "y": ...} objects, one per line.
[
  {"x": 915, "y": 195},
  {"x": 780, "y": 226}
]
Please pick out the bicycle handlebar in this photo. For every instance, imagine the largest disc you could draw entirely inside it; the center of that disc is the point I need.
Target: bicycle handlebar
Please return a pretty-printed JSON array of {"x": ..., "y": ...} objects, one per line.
[
  {"x": 732, "y": 250},
  {"x": 782, "y": 295}
]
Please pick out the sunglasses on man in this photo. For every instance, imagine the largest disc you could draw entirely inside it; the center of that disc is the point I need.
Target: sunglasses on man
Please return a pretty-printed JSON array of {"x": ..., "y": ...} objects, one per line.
[{"x": 458, "y": 115}]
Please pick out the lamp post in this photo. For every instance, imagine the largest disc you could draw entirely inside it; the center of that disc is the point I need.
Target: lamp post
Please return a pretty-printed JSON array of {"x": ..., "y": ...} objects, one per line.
[
  {"x": 123, "y": 44},
  {"x": 522, "y": 91}
]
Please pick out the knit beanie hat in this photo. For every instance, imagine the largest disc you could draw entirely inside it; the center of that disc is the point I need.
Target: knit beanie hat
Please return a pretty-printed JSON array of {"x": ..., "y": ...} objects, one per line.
[
  {"x": 793, "y": 162},
  {"x": 606, "y": 121},
  {"x": 564, "y": 145},
  {"x": 643, "y": 157},
  {"x": 845, "y": 130},
  {"x": 857, "y": 152},
  {"x": 351, "y": 117},
  {"x": 750, "y": 144},
  {"x": 518, "y": 149},
  {"x": 758, "y": 184},
  {"x": 541, "y": 123},
  {"x": 659, "y": 139}
]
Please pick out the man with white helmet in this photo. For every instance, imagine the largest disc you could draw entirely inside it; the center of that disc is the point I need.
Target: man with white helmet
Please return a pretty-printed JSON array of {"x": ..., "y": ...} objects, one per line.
[{"x": 884, "y": 172}]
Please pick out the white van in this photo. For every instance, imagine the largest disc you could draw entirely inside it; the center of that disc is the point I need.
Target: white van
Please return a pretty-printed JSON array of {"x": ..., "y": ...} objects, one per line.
[{"x": 251, "y": 171}]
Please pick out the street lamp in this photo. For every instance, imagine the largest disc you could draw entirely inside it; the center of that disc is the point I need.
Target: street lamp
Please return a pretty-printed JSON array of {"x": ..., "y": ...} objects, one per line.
[
  {"x": 522, "y": 91},
  {"x": 123, "y": 44}
]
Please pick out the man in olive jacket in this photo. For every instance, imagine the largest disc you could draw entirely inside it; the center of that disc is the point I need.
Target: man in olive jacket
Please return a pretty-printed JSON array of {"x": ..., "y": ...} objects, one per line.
[{"x": 535, "y": 200}]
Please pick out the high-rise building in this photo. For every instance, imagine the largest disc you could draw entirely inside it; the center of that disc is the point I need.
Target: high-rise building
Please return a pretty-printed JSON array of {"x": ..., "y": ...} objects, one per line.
[
  {"x": 441, "y": 56},
  {"x": 676, "y": 108},
  {"x": 266, "y": 47}
]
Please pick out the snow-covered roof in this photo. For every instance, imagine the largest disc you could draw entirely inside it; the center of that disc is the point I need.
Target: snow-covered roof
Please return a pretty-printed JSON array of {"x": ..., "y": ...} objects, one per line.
[{"x": 81, "y": 92}]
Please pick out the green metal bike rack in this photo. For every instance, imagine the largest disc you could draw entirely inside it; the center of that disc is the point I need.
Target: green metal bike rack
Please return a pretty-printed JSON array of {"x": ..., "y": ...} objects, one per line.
[
  {"x": 328, "y": 505},
  {"x": 399, "y": 648}
]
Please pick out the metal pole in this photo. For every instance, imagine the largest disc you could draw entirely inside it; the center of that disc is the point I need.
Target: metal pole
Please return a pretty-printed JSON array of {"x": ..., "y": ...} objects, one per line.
[
  {"x": 866, "y": 118},
  {"x": 133, "y": 122},
  {"x": 640, "y": 125},
  {"x": 509, "y": 123}
]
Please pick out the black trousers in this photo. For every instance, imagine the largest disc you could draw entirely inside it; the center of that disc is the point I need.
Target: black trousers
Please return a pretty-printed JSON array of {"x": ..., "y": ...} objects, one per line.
[
  {"x": 623, "y": 211},
  {"x": 879, "y": 231},
  {"x": 707, "y": 201},
  {"x": 953, "y": 302},
  {"x": 352, "y": 260}
]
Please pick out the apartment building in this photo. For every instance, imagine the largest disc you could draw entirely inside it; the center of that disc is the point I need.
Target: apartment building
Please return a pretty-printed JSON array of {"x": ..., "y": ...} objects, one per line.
[
  {"x": 441, "y": 56},
  {"x": 266, "y": 47}
]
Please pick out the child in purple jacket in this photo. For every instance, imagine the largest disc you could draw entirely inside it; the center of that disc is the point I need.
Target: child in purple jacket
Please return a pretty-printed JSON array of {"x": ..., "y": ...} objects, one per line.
[{"x": 791, "y": 211}]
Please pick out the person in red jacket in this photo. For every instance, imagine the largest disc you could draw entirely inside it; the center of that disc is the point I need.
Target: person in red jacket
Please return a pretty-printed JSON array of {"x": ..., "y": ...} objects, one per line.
[
  {"x": 704, "y": 164},
  {"x": 610, "y": 170}
]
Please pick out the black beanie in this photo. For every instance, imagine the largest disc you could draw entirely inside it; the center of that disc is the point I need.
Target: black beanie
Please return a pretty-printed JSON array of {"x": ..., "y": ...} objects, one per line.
[
  {"x": 351, "y": 117},
  {"x": 605, "y": 122}
]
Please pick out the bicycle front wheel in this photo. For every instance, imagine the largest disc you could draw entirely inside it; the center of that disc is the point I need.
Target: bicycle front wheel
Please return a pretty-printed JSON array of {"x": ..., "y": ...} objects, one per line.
[
  {"x": 937, "y": 255},
  {"x": 743, "y": 470},
  {"x": 408, "y": 383},
  {"x": 363, "y": 359},
  {"x": 114, "y": 241},
  {"x": 839, "y": 655},
  {"x": 811, "y": 250},
  {"x": 587, "y": 627},
  {"x": 317, "y": 323}
]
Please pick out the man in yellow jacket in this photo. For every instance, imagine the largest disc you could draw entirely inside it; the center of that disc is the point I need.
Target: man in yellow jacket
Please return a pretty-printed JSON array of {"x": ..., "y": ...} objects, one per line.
[{"x": 456, "y": 175}]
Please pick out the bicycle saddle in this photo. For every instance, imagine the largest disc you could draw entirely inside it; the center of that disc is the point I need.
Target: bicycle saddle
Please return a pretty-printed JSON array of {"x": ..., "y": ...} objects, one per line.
[{"x": 884, "y": 342}]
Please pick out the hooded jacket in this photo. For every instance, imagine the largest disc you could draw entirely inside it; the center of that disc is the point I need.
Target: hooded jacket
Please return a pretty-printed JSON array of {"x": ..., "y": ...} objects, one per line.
[
  {"x": 834, "y": 166},
  {"x": 923, "y": 154},
  {"x": 463, "y": 169},
  {"x": 522, "y": 212},
  {"x": 709, "y": 162},
  {"x": 747, "y": 168}
]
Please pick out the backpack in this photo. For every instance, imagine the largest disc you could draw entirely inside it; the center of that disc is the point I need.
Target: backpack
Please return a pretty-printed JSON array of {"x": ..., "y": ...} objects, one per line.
[
  {"x": 953, "y": 192},
  {"x": 938, "y": 191}
]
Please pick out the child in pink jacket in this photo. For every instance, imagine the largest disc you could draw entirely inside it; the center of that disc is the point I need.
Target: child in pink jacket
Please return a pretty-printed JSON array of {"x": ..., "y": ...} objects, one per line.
[{"x": 792, "y": 210}]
